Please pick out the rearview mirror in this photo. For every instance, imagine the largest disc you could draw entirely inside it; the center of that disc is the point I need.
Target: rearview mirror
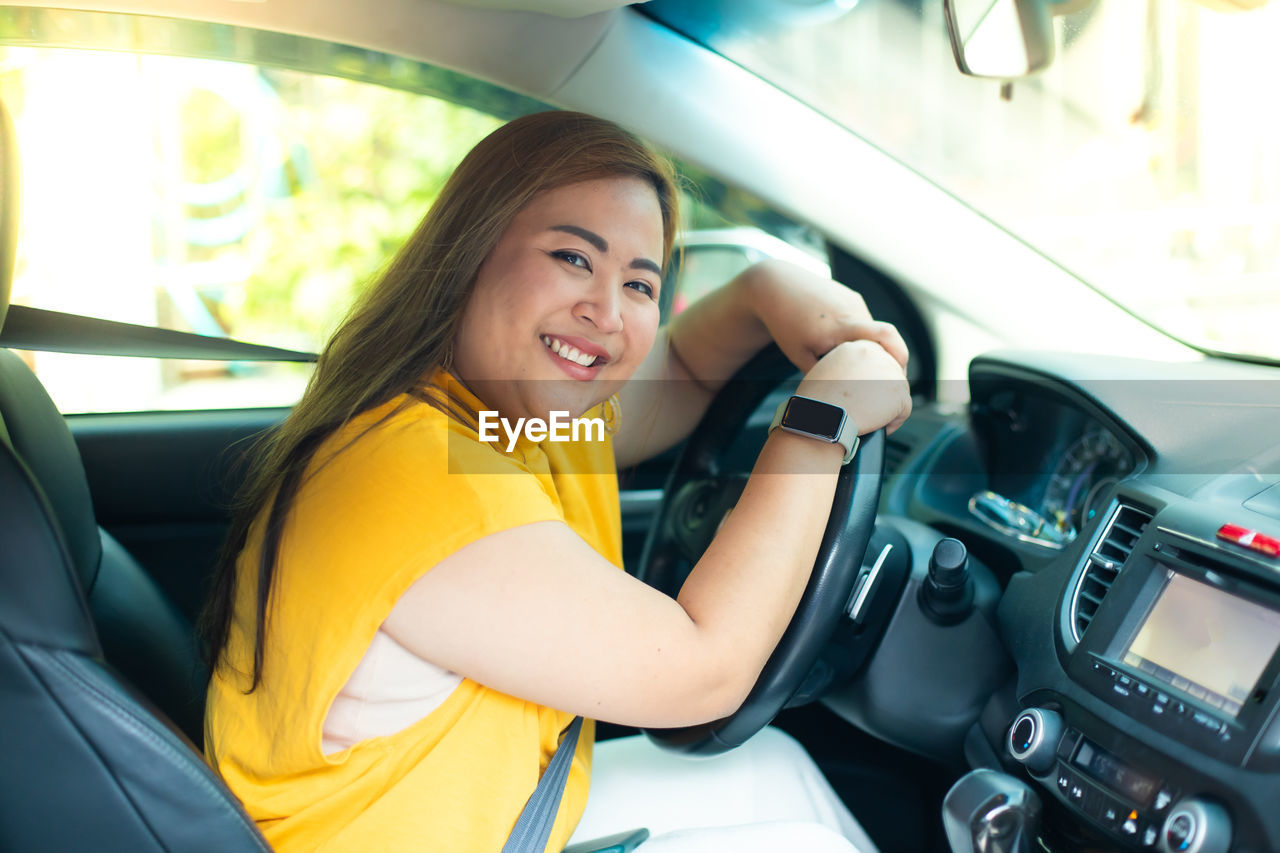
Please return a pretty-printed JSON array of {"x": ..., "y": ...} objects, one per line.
[{"x": 1004, "y": 39}]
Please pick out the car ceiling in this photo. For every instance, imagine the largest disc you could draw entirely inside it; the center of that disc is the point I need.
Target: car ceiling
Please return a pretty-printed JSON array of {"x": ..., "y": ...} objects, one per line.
[
  {"x": 529, "y": 51},
  {"x": 560, "y": 8}
]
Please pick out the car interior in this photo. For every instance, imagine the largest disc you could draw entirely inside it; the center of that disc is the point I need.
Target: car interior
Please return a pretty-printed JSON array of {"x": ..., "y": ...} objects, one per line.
[{"x": 1046, "y": 615}]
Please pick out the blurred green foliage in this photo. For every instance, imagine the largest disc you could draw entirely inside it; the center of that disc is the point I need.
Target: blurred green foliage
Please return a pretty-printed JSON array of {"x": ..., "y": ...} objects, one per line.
[{"x": 359, "y": 166}]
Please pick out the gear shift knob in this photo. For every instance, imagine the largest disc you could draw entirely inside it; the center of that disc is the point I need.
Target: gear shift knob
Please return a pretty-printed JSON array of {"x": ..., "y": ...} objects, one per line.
[{"x": 991, "y": 812}]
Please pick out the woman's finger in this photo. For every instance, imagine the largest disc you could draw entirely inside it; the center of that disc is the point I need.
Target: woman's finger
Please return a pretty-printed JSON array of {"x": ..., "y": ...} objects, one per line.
[{"x": 885, "y": 334}]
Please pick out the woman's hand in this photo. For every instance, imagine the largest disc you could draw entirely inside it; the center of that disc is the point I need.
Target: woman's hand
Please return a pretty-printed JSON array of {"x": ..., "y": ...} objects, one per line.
[
  {"x": 863, "y": 379},
  {"x": 808, "y": 315}
]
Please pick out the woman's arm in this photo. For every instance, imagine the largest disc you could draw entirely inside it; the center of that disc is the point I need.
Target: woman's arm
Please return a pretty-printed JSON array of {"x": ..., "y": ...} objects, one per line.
[
  {"x": 806, "y": 314},
  {"x": 536, "y": 613}
]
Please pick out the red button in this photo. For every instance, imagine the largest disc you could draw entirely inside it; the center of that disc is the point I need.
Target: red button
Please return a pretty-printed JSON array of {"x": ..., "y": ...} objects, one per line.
[
  {"x": 1266, "y": 545},
  {"x": 1251, "y": 539}
]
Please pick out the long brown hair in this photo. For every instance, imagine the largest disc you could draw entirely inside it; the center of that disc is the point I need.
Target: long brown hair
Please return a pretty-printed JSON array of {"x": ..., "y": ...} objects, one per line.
[{"x": 401, "y": 330}]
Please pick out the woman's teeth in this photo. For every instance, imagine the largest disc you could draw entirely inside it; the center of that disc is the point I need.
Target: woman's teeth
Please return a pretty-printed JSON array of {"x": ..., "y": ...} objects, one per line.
[{"x": 569, "y": 353}]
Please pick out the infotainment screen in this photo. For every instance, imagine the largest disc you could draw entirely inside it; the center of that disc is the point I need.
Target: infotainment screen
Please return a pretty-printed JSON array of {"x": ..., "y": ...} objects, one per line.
[{"x": 1205, "y": 642}]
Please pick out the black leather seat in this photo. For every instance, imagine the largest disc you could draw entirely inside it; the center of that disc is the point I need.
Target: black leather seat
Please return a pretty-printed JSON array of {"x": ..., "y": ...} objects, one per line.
[
  {"x": 142, "y": 633},
  {"x": 86, "y": 762}
]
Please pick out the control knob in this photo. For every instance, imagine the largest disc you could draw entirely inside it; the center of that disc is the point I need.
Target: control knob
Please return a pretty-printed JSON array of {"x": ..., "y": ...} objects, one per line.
[
  {"x": 1033, "y": 739},
  {"x": 1196, "y": 826},
  {"x": 946, "y": 595}
]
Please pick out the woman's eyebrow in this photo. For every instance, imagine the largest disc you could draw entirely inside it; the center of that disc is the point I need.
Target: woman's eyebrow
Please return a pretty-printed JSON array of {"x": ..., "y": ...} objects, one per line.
[
  {"x": 646, "y": 264},
  {"x": 590, "y": 236},
  {"x": 603, "y": 245}
]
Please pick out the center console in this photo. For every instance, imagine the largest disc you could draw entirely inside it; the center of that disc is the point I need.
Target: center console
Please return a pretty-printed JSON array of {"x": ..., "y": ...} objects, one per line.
[{"x": 1168, "y": 730}]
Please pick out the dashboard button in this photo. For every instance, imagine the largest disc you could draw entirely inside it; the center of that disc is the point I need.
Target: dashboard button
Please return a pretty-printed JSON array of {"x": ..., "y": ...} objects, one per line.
[
  {"x": 1033, "y": 739},
  {"x": 1022, "y": 734},
  {"x": 1150, "y": 835},
  {"x": 1179, "y": 832},
  {"x": 1268, "y": 545},
  {"x": 1197, "y": 826},
  {"x": 1251, "y": 539},
  {"x": 1163, "y": 799},
  {"x": 1067, "y": 744},
  {"x": 1129, "y": 826},
  {"x": 1207, "y": 722},
  {"x": 1142, "y": 689},
  {"x": 1071, "y": 786},
  {"x": 1125, "y": 681},
  {"x": 1121, "y": 690}
]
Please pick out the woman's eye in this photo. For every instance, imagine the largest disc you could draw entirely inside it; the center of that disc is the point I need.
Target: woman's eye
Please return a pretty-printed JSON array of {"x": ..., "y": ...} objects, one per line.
[
  {"x": 573, "y": 259},
  {"x": 642, "y": 286}
]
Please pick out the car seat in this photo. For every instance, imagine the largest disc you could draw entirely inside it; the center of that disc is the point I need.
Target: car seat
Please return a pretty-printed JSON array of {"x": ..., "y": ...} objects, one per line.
[{"x": 86, "y": 761}]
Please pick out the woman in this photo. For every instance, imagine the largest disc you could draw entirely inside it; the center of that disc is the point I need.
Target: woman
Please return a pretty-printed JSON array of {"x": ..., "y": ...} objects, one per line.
[{"x": 393, "y": 583}]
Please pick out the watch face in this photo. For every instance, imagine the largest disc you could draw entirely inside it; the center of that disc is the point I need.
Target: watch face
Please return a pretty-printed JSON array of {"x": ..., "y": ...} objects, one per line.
[{"x": 814, "y": 417}]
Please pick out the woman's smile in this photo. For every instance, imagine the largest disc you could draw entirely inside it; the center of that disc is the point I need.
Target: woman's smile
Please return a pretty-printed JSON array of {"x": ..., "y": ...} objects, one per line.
[{"x": 578, "y": 357}]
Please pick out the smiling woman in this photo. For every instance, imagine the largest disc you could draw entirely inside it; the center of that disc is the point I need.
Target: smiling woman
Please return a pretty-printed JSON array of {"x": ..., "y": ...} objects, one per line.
[{"x": 406, "y": 613}]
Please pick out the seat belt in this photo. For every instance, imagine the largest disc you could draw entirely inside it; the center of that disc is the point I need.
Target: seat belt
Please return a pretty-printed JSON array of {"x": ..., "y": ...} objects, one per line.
[
  {"x": 533, "y": 827},
  {"x": 52, "y": 331}
]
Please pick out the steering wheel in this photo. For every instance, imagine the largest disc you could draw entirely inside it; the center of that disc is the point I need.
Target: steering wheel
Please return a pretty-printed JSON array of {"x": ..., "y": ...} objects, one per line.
[{"x": 699, "y": 492}]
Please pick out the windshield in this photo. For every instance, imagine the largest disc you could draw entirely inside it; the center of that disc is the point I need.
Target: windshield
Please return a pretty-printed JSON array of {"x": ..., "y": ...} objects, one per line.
[{"x": 1145, "y": 159}]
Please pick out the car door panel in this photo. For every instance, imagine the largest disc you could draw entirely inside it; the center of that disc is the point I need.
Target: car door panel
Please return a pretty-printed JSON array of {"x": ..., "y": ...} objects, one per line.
[{"x": 163, "y": 483}]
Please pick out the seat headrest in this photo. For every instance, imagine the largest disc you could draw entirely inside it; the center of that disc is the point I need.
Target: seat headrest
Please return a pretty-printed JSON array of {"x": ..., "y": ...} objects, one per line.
[
  {"x": 9, "y": 198},
  {"x": 39, "y": 436},
  {"x": 40, "y": 597}
]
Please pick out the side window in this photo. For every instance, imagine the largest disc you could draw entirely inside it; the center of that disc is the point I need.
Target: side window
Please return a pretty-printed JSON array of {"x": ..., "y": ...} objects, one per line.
[
  {"x": 235, "y": 199},
  {"x": 725, "y": 230}
]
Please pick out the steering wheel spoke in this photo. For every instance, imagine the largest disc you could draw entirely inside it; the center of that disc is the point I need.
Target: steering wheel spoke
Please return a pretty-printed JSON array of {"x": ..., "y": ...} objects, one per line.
[{"x": 698, "y": 510}]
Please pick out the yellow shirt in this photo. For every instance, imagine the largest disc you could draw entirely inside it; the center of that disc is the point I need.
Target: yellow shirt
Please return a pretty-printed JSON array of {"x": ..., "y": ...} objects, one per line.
[{"x": 368, "y": 521}]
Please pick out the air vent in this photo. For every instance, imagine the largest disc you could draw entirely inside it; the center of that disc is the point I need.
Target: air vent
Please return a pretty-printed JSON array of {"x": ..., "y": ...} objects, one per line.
[{"x": 1107, "y": 558}]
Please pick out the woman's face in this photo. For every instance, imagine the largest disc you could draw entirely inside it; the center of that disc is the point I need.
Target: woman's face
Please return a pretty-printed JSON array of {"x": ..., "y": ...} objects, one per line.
[{"x": 565, "y": 307}]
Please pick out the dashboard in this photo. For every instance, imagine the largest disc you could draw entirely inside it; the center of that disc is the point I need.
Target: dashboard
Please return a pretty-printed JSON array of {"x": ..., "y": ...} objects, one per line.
[
  {"x": 1130, "y": 513},
  {"x": 1048, "y": 456}
]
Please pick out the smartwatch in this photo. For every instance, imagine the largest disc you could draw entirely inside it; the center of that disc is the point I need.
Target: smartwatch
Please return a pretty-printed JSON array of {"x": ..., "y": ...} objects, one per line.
[{"x": 816, "y": 419}]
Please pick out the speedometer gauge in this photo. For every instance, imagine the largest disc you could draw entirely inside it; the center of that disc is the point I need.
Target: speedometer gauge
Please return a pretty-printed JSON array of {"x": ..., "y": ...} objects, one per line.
[{"x": 1083, "y": 477}]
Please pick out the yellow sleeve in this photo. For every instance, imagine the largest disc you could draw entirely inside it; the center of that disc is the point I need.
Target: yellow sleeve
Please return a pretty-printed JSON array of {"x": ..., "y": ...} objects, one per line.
[{"x": 395, "y": 501}]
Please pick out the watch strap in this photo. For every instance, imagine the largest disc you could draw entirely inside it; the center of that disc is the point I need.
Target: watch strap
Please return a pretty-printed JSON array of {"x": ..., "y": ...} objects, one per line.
[{"x": 848, "y": 437}]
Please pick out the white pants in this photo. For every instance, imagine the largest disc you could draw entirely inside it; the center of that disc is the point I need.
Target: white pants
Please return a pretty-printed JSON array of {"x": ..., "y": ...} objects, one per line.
[{"x": 766, "y": 795}]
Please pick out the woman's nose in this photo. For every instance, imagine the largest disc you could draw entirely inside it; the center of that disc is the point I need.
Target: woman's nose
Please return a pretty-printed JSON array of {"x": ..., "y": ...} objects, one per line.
[{"x": 602, "y": 307}]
